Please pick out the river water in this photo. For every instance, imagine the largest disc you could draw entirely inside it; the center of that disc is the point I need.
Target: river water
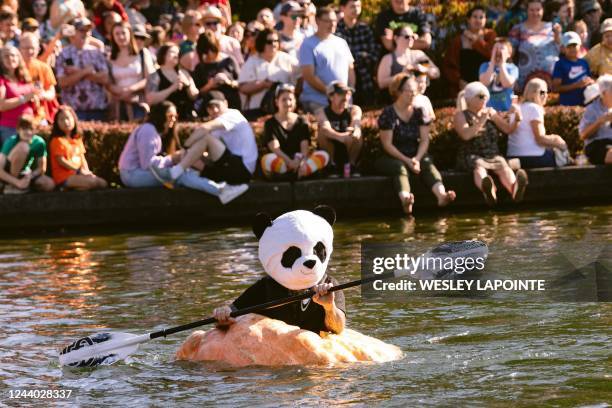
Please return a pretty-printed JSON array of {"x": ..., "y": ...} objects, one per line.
[{"x": 457, "y": 351}]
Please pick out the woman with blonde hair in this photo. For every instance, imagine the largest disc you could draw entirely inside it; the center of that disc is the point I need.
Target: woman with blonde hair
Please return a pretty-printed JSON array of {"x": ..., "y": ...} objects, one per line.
[
  {"x": 529, "y": 141},
  {"x": 479, "y": 127},
  {"x": 404, "y": 135}
]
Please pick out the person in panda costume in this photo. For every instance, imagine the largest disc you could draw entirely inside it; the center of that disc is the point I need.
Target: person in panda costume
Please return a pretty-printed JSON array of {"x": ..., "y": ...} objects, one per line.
[{"x": 294, "y": 250}]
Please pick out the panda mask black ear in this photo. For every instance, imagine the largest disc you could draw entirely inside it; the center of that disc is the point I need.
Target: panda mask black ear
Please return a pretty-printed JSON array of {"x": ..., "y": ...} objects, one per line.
[
  {"x": 326, "y": 212},
  {"x": 260, "y": 223}
]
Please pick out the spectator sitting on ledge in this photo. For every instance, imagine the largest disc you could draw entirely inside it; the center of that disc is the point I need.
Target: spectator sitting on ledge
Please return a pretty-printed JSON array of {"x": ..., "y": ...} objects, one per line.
[
  {"x": 479, "y": 127},
  {"x": 227, "y": 142},
  {"x": 404, "y": 136},
  {"x": 23, "y": 160},
  {"x": 142, "y": 160},
  {"x": 529, "y": 142},
  {"x": 596, "y": 124},
  {"x": 287, "y": 135},
  {"x": 68, "y": 164},
  {"x": 340, "y": 129}
]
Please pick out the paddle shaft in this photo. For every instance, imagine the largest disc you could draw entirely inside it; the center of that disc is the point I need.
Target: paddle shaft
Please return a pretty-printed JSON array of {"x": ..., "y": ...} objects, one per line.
[{"x": 271, "y": 304}]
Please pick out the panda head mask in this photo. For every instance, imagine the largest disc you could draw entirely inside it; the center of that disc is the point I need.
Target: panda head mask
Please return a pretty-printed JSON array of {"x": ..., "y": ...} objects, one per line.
[{"x": 295, "y": 248}]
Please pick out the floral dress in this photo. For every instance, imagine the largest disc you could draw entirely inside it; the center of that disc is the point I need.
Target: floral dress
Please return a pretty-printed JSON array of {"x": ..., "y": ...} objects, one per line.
[{"x": 483, "y": 146}]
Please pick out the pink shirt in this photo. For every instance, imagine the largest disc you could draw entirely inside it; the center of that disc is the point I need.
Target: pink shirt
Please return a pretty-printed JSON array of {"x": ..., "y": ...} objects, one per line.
[
  {"x": 10, "y": 117},
  {"x": 230, "y": 46}
]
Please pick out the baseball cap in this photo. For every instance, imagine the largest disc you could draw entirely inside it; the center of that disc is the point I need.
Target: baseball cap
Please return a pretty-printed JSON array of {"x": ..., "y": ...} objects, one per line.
[
  {"x": 606, "y": 25},
  {"x": 211, "y": 12},
  {"x": 570, "y": 38},
  {"x": 289, "y": 7},
  {"x": 81, "y": 22},
  {"x": 337, "y": 87},
  {"x": 214, "y": 97},
  {"x": 588, "y": 6},
  {"x": 140, "y": 31}
]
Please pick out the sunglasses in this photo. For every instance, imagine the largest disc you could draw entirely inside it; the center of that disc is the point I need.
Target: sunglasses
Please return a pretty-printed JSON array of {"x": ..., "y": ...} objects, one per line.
[
  {"x": 273, "y": 41},
  {"x": 211, "y": 23},
  {"x": 543, "y": 93},
  {"x": 408, "y": 37},
  {"x": 296, "y": 16}
]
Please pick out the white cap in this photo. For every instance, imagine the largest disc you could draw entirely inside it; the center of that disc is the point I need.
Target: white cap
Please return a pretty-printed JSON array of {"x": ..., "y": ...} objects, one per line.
[{"x": 571, "y": 37}]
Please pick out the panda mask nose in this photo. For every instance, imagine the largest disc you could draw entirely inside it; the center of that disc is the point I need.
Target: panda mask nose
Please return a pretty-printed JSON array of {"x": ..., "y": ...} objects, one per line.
[{"x": 310, "y": 263}]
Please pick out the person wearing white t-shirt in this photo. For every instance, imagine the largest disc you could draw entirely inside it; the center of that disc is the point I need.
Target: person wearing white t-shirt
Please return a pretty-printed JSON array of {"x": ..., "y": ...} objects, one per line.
[
  {"x": 263, "y": 70},
  {"x": 226, "y": 141},
  {"x": 529, "y": 142}
]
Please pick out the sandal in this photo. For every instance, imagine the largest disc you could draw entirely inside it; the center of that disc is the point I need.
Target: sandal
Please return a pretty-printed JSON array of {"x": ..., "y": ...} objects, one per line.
[
  {"x": 520, "y": 185},
  {"x": 488, "y": 190}
]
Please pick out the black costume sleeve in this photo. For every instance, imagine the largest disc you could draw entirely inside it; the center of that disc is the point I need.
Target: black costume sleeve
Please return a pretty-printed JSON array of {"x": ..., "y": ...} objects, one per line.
[{"x": 253, "y": 295}]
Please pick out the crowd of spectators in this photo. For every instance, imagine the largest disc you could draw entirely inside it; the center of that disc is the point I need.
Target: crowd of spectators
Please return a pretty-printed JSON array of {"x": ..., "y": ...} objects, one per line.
[{"x": 156, "y": 63}]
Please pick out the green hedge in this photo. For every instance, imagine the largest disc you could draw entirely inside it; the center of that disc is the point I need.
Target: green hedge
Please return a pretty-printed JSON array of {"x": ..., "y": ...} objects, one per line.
[{"x": 104, "y": 141}]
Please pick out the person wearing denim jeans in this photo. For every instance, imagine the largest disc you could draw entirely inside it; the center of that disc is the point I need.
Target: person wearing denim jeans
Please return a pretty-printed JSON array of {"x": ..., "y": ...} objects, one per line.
[{"x": 142, "y": 152}]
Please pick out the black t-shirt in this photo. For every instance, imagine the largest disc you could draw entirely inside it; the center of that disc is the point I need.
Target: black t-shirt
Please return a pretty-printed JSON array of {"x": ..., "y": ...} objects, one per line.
[
  {"x": 181, "y": 99},
  {"x": 206, "y": 70},
  {"x": 289, "y": 140},
  {"x": 307, "y": 316},
  {"x": 339, "y": 122},
  {"x": 406, "y": 135},
  {"x": 413, "y": 16}
]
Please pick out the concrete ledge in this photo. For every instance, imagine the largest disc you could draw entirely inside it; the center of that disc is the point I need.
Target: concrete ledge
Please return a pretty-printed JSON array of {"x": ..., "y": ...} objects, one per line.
[{"x": 358, "y": 196}]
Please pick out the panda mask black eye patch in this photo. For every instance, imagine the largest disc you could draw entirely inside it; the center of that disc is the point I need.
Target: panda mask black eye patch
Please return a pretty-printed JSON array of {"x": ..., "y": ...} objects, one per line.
[
  {"x": 290, "y": 255},
  {"x": 320, "y": 251}
]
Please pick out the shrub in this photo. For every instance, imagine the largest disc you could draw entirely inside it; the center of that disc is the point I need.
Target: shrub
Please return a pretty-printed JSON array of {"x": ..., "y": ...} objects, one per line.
[{"x": 104, "y": 141}]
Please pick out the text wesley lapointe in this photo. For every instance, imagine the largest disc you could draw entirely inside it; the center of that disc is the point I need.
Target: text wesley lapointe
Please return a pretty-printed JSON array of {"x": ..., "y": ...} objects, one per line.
[{"x": 453, "y": 285}]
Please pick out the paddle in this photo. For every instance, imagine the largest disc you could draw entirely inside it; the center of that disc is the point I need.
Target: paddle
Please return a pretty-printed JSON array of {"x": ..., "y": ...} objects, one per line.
[{"x": 107, "y": 348}]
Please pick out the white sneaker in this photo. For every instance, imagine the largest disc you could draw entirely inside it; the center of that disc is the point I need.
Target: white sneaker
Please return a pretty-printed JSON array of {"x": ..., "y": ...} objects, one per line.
[
  {"x": 11, "y": 189},
  {"x": 228, "y": 193}
]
